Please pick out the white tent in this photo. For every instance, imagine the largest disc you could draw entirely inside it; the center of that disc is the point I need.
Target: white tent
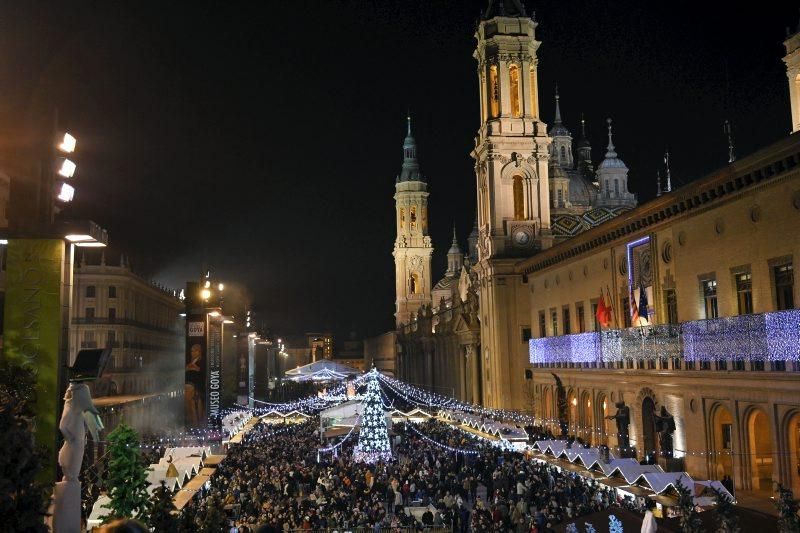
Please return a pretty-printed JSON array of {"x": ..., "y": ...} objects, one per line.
[{"x": 322, "y": 370}]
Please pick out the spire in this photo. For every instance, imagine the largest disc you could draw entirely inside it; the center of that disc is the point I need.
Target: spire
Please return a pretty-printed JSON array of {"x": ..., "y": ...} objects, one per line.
[
  {"x": 726, "y": 127},
  {"x": 454, "y": 248},
  {"x": 504, "y": 8},
  {"x": 658, "y": 182},
  {"x": 583, "y": 127},
  {"x": 454, "y": 257},
  {"x": 557, "y": 119},
  {"x": 610, "y": 154},
  {"x": 669, "y": 175},
  {"x": 410, "y": 170}
]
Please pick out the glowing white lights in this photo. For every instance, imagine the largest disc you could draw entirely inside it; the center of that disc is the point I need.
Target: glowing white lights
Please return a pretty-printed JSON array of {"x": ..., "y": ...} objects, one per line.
[
  {"x": 66, "y": 193},
  {"x": 67, "y": 145},
  {"x": 67, "y": 168}
]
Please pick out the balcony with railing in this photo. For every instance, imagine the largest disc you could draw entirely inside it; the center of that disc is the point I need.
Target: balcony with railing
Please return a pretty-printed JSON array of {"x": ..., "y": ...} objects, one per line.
[{"x": 767, "y": 341}]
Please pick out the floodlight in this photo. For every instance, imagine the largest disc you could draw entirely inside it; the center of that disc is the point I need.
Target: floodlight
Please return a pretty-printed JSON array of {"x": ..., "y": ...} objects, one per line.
[
  {"x": 67, "y": 169},
  {"x": 66, "y": 192},
  {"x": 68, "y": 144}
]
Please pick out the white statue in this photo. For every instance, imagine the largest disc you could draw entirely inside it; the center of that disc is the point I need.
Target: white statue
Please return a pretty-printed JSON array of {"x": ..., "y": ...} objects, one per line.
[{"x": 79, "y": 413}]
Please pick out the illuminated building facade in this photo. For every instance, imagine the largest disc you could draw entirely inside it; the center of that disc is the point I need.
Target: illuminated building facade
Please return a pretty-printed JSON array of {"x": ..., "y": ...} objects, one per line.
[
  {"x": 141, "y": 322},
  {"x": 715, "y": 342}
]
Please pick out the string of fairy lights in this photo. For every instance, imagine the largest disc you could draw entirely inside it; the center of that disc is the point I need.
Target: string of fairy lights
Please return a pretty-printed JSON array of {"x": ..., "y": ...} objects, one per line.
[
  {"x": 441, "y": 445},
  {"x": 333, "y": 448},
  {"x": 419, "y": 397}
]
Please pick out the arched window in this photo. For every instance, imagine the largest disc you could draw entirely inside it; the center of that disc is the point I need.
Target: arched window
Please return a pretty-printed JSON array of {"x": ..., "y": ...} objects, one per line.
[
  {"x": 494, "y": 92},
  {"x": 563, "y": 153},
  {"x": 519, "y": 199},
  {"x": 513, "y": 78},
  {"x": 616, "y": 187},
  {"x": 424, "y": 215},
  {"x": 534, "y": 95},
  {"x": 402, "y": 217},
  {"x": 413, "y": 283},
  {"x": 560, "y": 198},
  {"x": 413, "y": 217}
]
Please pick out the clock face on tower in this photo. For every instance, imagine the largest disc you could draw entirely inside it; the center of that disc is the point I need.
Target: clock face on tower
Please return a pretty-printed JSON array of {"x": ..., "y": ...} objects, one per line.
[{"x": 521, "y": 237}]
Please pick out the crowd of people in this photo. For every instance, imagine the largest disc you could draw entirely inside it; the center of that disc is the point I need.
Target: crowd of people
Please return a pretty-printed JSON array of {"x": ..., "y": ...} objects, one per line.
[{"x": 275, "y": 480}]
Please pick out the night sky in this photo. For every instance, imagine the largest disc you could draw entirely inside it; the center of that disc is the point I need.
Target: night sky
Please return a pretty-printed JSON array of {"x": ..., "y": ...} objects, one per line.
[{"x": 264, "y": 139}]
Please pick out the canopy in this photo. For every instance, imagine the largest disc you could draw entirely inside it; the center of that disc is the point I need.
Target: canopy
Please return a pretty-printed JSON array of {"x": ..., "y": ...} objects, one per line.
[{"x": 323, "y": 370}]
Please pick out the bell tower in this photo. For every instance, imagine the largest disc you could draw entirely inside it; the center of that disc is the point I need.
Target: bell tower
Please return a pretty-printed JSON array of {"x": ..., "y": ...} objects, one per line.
[
  {"x": 412, "y": 247},
  {"x": 512, "y": 147},
  {"x": 512, "y": 151}
]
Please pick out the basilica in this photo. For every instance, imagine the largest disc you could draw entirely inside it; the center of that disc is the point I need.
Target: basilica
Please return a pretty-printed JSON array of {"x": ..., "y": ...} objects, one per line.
[{"x": 570, "y": 297}]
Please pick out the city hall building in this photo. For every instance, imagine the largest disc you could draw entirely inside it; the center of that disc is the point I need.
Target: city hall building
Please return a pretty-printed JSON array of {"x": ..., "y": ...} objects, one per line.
[{"x": 576, "y": 299}]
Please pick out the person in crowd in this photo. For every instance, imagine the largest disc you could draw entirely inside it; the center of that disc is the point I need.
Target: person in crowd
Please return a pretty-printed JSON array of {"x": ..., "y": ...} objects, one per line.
[{"x": 275, "y": 480}]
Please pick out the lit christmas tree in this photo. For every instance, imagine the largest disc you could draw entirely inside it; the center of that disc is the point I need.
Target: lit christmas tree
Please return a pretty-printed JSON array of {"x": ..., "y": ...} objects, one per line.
[{"x": 373, "y": 439}]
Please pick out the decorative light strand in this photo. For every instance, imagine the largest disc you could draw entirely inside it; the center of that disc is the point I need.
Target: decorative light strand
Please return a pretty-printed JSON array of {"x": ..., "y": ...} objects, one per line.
[
  {"x": 758, "y": 337},
  {"x": 440, "y": 445}
]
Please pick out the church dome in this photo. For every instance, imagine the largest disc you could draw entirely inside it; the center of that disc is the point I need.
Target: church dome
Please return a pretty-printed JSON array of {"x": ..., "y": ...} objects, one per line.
[
  {"x": 559, "y": 130},
  {"x": 580, "y": 190},
  {"x": 447, "y": 282},
  {"x": 612, "y": 162}
]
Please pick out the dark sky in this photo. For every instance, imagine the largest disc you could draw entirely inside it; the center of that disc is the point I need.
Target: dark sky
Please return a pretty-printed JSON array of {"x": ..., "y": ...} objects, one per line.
[{"x": 264, "y": 138}]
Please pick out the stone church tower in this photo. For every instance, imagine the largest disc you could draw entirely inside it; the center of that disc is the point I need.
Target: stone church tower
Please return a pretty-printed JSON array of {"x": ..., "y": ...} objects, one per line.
[
  {"x": 412, "y": 247},
  {"x": 511, "y": 165}
]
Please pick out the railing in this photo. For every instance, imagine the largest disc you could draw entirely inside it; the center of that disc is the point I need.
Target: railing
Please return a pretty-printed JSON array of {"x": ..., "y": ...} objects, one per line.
[
  {"x": 757, "y": 338},
  {"x": 125, "y": 322}
]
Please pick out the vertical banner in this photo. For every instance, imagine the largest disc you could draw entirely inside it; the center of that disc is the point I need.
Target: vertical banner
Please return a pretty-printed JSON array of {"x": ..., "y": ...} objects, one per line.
[
  {"x": 214, "y": 369},
  {"x": 196, "y": 367},
  {"x": 251, "y": 371},
  {"x": 32, "y": 324},
  {"x": 242, "y": 373}
]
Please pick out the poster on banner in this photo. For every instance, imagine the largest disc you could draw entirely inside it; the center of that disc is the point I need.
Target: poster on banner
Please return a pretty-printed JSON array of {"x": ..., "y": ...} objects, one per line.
[
  {"x": 195, "y": 372},
  {"x": 213, "y": 378}
]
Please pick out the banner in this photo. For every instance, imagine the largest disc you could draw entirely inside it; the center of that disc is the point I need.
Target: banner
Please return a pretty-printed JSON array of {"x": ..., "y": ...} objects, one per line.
[
  {"x": 32, "y": 325},
  {"x": 214, "y": 370},
  {"x": 195, "y": 389}
]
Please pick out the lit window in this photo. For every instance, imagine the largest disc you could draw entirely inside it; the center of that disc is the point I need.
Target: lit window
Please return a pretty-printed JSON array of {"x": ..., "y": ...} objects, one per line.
[
  {"x": 744, "y": 293},
  {"x": 710, "y": 298},
  {"x": 784, "y": 286}
]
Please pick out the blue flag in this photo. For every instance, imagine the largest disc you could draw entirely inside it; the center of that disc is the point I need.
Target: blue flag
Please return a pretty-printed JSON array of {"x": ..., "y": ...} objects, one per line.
[{"x": 642, "y": 302}]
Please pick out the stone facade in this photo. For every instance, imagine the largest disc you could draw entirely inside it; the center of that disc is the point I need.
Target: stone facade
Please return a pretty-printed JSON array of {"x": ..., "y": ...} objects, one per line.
[
  {"x": 112, "y": 306},
  {"x": 711, "y": 258}
]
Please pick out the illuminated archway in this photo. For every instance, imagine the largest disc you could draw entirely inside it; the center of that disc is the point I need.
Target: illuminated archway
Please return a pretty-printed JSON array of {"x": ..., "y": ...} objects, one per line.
[
  {"x": 519, "y": 199},
  {"x": 513, "y": 79},
  {"x": 534, "y": 96},
  {"x": 721, "y": 442},
  {"x": 547, "y": 407},
  {"x": 494, "y": 93},
  {"x": 648, "y": 446},
  {"x": 572, "y": 413},
  {"x": 602, "y": 410},
  {"x": 587, "y": 418},
  {"x": 793, "y": 449},
  {"x": 760, "y": 451}
]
